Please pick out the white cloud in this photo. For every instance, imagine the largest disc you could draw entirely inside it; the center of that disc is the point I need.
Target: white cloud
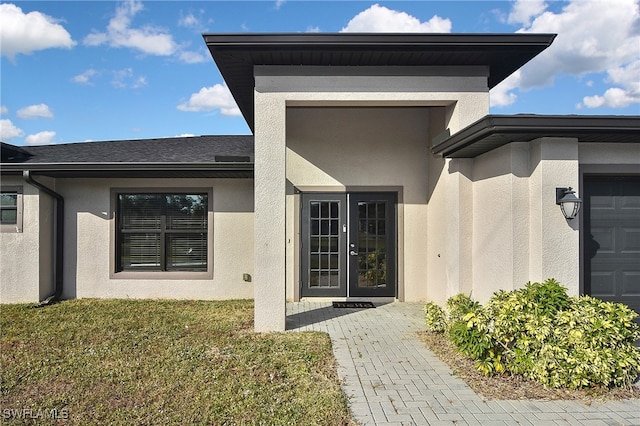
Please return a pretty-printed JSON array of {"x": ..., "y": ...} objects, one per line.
[
  {"x": 524, "y": 10},
  {"x": 216, "y": 97},
  {"x": 42, "y": 138},
  {"x": 627, "y": 75},
  {"x": 502, "y": 95},
  {"x": 380, "y": 19},
  {"x": 614, "y": 97},
  {"x": 125, "y": 78},
  {"x": 190, "y": 21},
  {"x": 197, "y": 22},
  {"x": 279, "y": 3},
  {"x": 618, "y": 97},
  {"x": 26, "y": 33},
  {"x": 4, "y": 110},
  {"x": 185, "y": 135},
  {"x": 119, "y": 33},
  {"x": 191, "y": 57},
  {"x": 9, "y": 131},
  {"x": 35, "y": 111},
  {"x": 311, "y": 29},
  {"x": 85, "y": 77},
  {"x": 586, "y": 44}
]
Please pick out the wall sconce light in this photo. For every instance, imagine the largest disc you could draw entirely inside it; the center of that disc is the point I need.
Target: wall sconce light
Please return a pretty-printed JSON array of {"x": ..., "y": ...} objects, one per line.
[{"x": 569, "y": 203}]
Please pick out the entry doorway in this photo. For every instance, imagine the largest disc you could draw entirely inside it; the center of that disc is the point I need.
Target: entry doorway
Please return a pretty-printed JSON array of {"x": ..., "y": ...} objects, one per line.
[{"x": 348, "y": 244}]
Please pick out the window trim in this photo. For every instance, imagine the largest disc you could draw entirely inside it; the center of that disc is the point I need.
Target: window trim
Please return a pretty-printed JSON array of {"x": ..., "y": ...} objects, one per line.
[
  {"x": 158, "y": 275},
  {"x": 17, "y": 227}
]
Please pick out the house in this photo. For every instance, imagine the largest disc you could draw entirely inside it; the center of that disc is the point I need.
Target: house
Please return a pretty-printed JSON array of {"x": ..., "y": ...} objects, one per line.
[{"x": 374, "y": 171}]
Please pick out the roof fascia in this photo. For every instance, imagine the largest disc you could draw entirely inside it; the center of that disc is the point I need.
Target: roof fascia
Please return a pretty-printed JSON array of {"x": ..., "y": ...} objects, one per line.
[
  {"x": 375, "y": 39},
  {"x": 121, "y": 167},
  {"x": 536, "y": 126}
]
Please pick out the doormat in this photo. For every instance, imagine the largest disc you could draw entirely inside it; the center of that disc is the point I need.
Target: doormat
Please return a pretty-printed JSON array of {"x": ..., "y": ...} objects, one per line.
[{"x": 353, "y": 305}]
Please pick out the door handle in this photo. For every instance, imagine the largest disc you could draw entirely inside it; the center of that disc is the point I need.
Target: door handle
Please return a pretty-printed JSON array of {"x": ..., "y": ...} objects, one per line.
[{"x": 353, "y": 253}]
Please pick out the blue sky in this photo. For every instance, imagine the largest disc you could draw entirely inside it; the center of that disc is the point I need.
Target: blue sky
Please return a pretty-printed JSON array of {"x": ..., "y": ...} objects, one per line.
[{"x": 103, "y": 70}]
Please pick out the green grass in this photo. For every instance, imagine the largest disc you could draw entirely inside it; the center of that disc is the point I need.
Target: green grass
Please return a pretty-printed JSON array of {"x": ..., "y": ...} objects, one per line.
[{"x": 162, "y": 362}]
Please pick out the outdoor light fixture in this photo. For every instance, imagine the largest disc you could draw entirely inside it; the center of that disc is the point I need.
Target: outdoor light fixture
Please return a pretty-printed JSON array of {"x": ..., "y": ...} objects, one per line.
[{"x": 569, "y": 203}]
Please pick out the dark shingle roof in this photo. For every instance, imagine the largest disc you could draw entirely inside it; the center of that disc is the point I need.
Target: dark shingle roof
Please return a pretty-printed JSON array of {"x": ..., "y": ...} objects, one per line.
[{"x": 201, "y": 156}]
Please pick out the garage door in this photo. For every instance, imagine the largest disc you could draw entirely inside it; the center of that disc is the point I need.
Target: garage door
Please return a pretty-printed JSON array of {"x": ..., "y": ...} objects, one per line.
[{"x": 612, "y": 239}]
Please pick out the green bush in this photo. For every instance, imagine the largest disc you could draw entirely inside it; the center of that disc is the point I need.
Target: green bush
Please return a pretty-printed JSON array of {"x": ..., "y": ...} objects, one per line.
[
  {"x": 434, "y": 318},
  {"x": 543, "y": 334},
  {"x": 459, "y": 306}
]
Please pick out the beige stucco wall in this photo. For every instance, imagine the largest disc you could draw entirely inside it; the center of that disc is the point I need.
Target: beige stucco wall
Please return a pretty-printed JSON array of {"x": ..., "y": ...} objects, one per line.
[
  {"x": 277, "y": 91},
  {"x": 519, "y": 233},
  {"x": 26, "y": 271},
  {"x": 610, "y": 153},
  {"x": 336, "y": 149},
  {"x": 89, "y": 239}
]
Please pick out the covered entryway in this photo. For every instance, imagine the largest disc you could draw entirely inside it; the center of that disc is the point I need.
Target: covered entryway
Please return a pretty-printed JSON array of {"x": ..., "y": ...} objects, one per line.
[
  {"x": 612, "y": 238},
  {"x": 348, "y": 244}
]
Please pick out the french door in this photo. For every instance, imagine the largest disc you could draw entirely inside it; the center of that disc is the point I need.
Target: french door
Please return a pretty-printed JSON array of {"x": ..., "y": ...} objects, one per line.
[{"x": 348, "y": 244}]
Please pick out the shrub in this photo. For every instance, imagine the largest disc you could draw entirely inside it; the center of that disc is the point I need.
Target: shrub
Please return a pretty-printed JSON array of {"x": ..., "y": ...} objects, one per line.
[
  {"x": 459, "y": 306},
  {"x": 434, "y": 318},
  {"x": 471, "y": 336},
  {"x": 543, "y": 334}
]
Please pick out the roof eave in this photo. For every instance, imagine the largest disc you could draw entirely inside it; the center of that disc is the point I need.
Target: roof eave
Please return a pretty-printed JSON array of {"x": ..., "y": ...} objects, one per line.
[
  {"x": 376, "y": 39},
  {"x": 243, "y": 169},
  {"x": 536, "y": 126},
  {"x": 227, "y": 51}
]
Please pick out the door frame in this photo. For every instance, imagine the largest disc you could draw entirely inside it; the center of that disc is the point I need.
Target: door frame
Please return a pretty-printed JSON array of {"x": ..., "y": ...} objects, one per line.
[{"x": 301, "y": 193}]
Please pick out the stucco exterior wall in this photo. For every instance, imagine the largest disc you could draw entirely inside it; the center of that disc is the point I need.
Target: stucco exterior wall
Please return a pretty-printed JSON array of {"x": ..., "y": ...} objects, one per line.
[
  {"x": 610, "y": 153},
  {"x": 520, "y": 234},
  {"x": 554, "y": 246},
  {"x": 26, "y": 271},
  {"x": 90, "y": 231},
  {"x": 500, "y": 220},
  {"x": 337, "y": 149},
  {"x": 275, "y": 92}
]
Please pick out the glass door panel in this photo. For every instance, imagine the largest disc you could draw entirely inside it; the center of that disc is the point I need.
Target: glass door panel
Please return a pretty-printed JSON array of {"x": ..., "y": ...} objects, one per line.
[
  {"x": 372, "y": 248},
  {"x": 322, "y": 255}
]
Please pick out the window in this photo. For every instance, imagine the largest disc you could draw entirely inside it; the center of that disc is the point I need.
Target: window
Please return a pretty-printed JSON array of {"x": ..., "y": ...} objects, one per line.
[
  {"x": 11, "y": 209},
  {"x": 162, "y": 231}
]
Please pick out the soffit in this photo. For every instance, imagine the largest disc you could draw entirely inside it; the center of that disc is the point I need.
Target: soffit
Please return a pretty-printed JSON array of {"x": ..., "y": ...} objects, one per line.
[{"x": 237, "y": 54}]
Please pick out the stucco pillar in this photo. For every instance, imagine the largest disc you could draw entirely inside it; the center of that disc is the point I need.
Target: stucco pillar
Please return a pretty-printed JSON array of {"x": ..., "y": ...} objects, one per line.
[
  {"x": 270, "y": 209},
  {"x": 554, "y": 240},
  {"x": 459, "y": 231}
]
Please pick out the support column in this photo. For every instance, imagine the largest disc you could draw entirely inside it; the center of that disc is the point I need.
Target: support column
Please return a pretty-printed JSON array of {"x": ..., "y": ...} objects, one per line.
[
  {"x": 554, "y": 240},
  {"x": 459, "y": 231},
  {"x": 270, "y": 210}
]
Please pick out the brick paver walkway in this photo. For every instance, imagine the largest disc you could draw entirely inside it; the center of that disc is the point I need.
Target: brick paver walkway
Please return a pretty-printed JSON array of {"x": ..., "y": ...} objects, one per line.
[{"x": 392, "y": 379}]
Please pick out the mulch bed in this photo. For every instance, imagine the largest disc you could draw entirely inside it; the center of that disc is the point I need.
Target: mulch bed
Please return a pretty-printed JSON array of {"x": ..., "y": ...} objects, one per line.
[{"x": 510, "y": 387}]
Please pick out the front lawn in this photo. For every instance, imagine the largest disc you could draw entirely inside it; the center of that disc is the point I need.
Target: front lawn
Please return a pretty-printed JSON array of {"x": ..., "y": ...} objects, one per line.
[{"x": 162, "y": 362}]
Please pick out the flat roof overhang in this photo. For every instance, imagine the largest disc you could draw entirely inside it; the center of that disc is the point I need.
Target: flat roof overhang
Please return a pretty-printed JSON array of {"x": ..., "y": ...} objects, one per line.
[
  {"x": 236, "y": 55},
  {"x": 494, "y": 131},
  {"x": 132, "y": 170}
]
